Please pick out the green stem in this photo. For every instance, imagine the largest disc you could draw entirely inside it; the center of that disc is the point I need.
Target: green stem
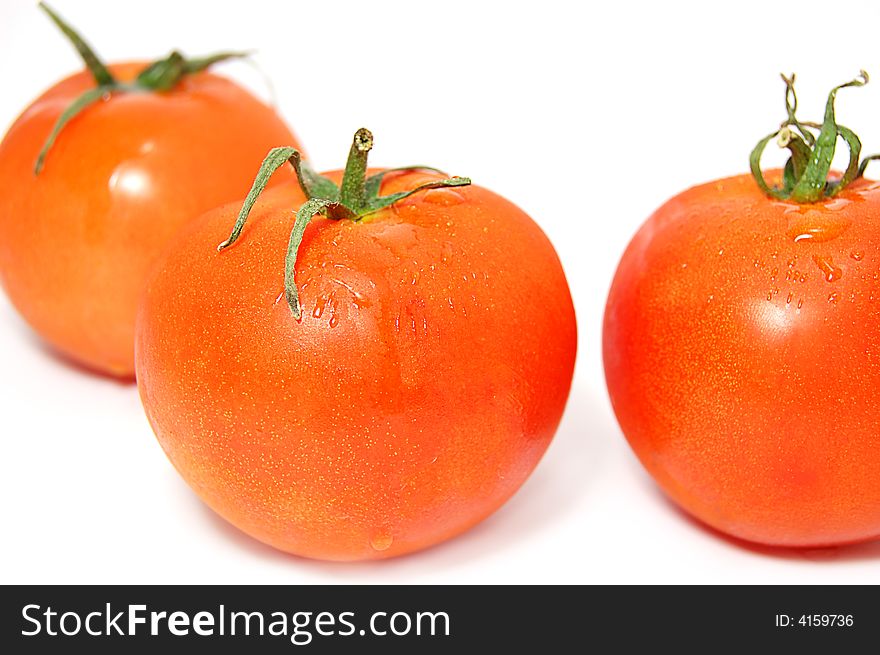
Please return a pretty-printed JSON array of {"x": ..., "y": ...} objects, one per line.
[
  {"x": 352, "y": 191},
  {"x": 276, "y": 158},
  {"x": 800, "y": 155},
  {"x": 372, "y": 183},
  {"x": 165, "y": 74},
  {"x": 375, "y": 204},
  {"x": 87, "y": 99},
  {"x": 159, "y": 76},
  {"x": 304, "y": 216},
  {"x": 800, "y": 151},
  {"x": 757, "y": 173},
  {"x": 852, "y": 169},
  {"x": 96, "y": 67},
  {"x": 791, "y": 105},
  {"x": 865, "y": 162},
  {"x": 806, "y": 173},
  {"x": 199, "y": 64},
  {"x": 357, "y": 197},
  {"x": 312, "y": 184},
  {"x": 811, "y": 186}
]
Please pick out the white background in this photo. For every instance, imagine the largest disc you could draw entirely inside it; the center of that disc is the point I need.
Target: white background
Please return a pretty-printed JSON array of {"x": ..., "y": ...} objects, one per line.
[{"x": 588, "y": 118}]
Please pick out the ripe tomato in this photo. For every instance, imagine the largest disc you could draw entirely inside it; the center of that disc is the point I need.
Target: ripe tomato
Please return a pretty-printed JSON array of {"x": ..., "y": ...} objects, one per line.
[
  {"x": 742, "y": 354},
  {"x": 121, "y": 178},
  {"x": 420, "y": 385}
]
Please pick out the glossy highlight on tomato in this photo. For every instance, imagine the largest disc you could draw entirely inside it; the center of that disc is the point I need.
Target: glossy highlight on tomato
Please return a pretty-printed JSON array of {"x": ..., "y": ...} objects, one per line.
[
  {"x": 122, "y": 177},
  {"x": 742, "y": 354},
  {"x": 424, "y": 379}
]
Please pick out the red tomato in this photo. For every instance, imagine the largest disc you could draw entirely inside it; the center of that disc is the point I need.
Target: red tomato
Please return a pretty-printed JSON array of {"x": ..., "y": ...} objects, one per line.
[
  {"x": 742, "y": 355},
  {"x": 121, "y": 179},
  {"x": 420, "y": 386}
]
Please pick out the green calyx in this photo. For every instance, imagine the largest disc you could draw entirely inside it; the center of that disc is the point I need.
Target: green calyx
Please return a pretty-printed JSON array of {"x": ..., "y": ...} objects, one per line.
[
  {"x": 357, "y": 197},
  {"x": 805, "y": 176},
  {"x": 161, "y": 75}
]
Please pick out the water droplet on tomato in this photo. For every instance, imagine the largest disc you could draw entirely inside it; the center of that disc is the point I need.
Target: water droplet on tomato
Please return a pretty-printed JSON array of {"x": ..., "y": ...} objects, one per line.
[
  {"x": 816, "y": 226},
  {"x": 334, "y": 321},
  {"x": 789, "y": 299},
  {"x": 444, "y": 197},
  {"x": 833, "y": 298},
  {"x": 400, "y": 238},
  {"x": 447, "y": 250},
  {"x": 832, "y": 273},
  {"x": 833, "y": 205},
  {"x": 858, "y": 256},
  {"x": 381, "y": 541},
  {"x": 358, "y": 299},
  {"x": 837, "y": 204}
]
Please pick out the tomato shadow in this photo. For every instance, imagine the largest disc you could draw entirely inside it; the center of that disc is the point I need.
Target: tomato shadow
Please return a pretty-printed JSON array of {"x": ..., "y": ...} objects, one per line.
[
  {"x": 857, "y": 552},
  {"x": 554, "y": 490},
  {"x": 241, "y": 540},
  {"x": 49, "y": 352},
  {"x": 78, "y": 367}
]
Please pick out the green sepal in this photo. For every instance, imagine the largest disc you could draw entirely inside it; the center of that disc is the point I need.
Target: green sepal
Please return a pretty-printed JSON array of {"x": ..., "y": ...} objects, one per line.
[
  {"x": 864, "y": 164},
  {"x": 100, "y": 72},
  {"x": 852, "y": 169},
  {"x": 381, "y": 202},
  {"x": 755, "y": 166},
  {"x": 276, "y": 158},
  {"x": 355, "y": 198},
  {"x": 87, "y": 99},
  {"x": 805, "y": 175},
  {"x": 165, "y": 74},
  {"x": 374, "y": 182},
  {"x": 313, "y": 184},
  {"x": 159, "y": 76},
  {"x": 304, "y": 216}
]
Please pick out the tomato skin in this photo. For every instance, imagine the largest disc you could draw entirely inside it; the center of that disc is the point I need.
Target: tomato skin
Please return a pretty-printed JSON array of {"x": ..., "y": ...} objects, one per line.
[
  {"x": 422, "y": 385},
  {"x": 743, "y": 360},
  {"x": 122, "y": 177}
]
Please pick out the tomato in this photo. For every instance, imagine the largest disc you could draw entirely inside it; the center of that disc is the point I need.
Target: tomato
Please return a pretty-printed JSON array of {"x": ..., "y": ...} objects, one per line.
[
  {"x": 122, "y": 177},
  {"x": 418, "y": 380},
  {"x": 742, "y": 351}
]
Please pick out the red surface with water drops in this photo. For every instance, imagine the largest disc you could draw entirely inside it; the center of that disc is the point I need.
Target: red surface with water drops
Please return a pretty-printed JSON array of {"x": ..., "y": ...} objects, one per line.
[
  {"x": 742, "y": 355},
  {"x": 422, "y": 385}
]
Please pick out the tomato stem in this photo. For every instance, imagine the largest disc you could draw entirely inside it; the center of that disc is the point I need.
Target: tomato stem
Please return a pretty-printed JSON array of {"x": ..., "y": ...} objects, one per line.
[
  {"x": 805, "y": 177},
  {"x": 357, "y": 197},
  {"x": 161, "y": 75},
  {"x": 352, "y": 191}
]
